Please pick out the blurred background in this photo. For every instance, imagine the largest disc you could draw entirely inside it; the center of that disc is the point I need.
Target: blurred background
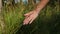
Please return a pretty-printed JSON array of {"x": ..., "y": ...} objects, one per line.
[{"x": 12, "y": 16}]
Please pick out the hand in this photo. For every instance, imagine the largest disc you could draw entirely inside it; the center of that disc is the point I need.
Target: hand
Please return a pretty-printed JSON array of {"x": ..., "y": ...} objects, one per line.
[{"x": 30, "y": 17}]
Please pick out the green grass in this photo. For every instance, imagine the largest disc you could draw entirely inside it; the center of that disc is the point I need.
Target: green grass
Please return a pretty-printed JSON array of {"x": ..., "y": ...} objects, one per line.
[
  {"x": 13, "y": 18},
  {"x": 46, "y": 23}
]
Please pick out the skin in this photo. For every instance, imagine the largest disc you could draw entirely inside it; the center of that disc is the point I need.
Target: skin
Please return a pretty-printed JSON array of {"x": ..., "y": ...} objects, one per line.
[{"x": 32, "y": 15}]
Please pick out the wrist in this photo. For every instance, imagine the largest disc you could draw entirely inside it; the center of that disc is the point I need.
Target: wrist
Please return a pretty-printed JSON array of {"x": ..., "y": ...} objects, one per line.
[{"x": 36, "y": 11}]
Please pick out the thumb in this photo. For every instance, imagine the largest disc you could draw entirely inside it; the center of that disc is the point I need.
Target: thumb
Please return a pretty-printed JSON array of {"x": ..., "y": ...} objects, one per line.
[{"x": 27, "y": 14}]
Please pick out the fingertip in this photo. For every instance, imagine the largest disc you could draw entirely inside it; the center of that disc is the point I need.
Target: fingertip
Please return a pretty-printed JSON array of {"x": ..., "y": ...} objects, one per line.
[
  {"x": 30, "y": 22},
  {"x": 23, "y": 23},
  {"x": 25, "y": 14}
]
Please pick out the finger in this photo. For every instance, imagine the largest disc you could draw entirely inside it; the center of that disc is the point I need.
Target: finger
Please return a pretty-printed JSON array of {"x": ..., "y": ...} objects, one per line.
[
  {"x": 32, "y": 20},
  {"x": 27, "y": 20}
]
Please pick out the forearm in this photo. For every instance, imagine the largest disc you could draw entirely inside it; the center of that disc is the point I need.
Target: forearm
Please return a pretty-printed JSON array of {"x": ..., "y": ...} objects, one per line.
[{"x": 41, "y": 5}]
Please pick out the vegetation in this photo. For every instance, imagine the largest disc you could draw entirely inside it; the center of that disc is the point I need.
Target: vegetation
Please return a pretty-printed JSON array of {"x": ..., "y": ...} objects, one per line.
[{"x": 48, "y": 21}]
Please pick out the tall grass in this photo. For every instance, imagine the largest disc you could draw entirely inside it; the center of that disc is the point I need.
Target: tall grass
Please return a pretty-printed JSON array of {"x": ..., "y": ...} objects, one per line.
[
  {"x": 48, "y": 21},
  {"x": 13, "y": 17}
]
